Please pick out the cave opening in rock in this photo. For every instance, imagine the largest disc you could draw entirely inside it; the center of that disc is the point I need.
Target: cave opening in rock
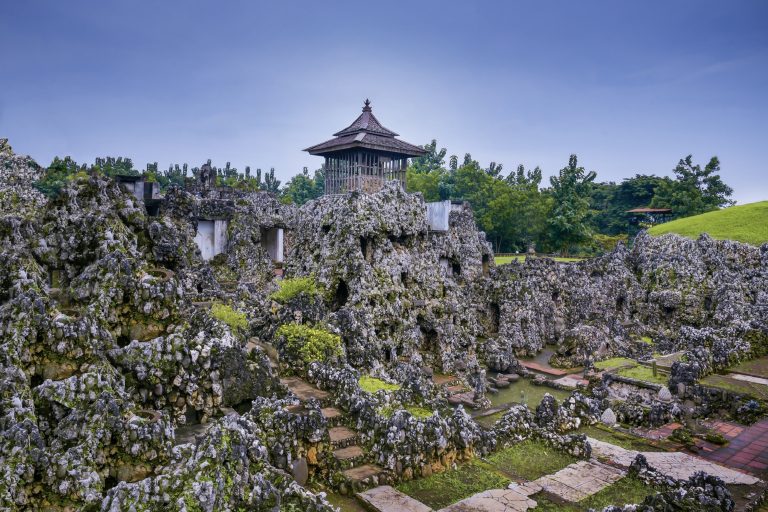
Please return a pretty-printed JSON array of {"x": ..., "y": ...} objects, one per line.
[
  {"x": 495, "y": 317},
  {"x": 456, "y": 268},
  {"x": 192, "y": 416},
  {"x": 341, "y": 296},
  {"x": 620, "y": 303},
  {"x": 123, "y": 340},
  {"x": 486, "y": 264},
  {"x": 110, "y": 482},
  {"x": 35, "y": 380},
  {"x": 404, "y": 278},
  {"x": 366, "y": 247}
]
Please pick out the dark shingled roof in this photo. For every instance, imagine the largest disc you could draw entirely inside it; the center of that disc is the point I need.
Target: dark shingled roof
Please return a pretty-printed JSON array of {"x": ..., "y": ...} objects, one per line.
[{"x": 366, "y": 132}]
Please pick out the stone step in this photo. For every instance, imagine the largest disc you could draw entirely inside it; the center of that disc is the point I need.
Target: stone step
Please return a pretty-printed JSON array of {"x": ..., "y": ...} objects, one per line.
[
  {"x": 341, "y": 437},
  {"x": 332, "y": 415},
  {"x": 388, "y": 499},
  {"x": 365, "y": 476},
  {"x": 456, "y": 389},
  {"x": 349, "y": 454},
  {"x": 303, "y": 389}
]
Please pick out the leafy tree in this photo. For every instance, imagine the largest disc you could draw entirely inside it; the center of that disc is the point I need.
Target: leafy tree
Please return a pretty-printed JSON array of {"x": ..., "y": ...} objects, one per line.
[
  {"x": 432, "y": 161},
  {"x": 695, "y": 190},
  {"x": 302, "y": 188},
  {"x": 569, "y": 221}
]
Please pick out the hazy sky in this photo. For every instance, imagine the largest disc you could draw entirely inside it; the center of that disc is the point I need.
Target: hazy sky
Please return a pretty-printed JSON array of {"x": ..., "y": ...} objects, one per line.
[{"x": 628, "y": 87}]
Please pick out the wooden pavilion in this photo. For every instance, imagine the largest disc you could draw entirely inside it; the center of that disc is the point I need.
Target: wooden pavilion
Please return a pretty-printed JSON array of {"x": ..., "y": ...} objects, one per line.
[{"x": 363, "y": 156}]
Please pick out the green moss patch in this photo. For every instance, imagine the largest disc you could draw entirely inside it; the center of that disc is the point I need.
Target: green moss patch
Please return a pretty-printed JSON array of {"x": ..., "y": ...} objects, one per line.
[
  {"x": 372, "y": 384},
  {"x": 293, "y": 287},
  {"x": 417, "y": 412},
  {"x": 236, "y": 320},
  {"x": 530, "y": 460},
  {"x": 443, "y": 489},
  {"x": 310, "y": 344},
  {"x": 625, "y": 491}
]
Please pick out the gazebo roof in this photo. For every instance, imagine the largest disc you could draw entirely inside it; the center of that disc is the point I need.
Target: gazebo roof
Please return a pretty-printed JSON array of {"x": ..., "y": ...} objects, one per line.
[{"x": 366, "y": 132}]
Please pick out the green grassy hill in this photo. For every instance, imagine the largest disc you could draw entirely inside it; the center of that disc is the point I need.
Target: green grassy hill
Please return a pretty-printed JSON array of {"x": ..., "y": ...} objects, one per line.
[{"x": 745, "y": 223}]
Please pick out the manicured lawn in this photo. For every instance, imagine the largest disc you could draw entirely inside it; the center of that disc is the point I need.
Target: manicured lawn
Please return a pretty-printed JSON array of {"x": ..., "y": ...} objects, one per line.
[
  {"x": 530, "y": 460},
  {"x": 626, "y": 491},
  {"x": 757, "y": 367},
  {"x": 752, "y": 389},
  {"x": 645, "y": 374},
  {"x": 745, "y": 223},
  {"x": 615, "y": 362},
  {"x": 443, "y": 489},
  {"x": 503, "y": 260}
]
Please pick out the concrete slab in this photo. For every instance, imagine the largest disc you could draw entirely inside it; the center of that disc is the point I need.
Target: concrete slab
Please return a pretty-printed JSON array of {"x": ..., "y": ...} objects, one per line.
[
  {"x": 495, "y": 500},
  {"x": 678, "y": 465},
  {"x": 580, "y": 480},
  {"x": 388, "y": 499}
]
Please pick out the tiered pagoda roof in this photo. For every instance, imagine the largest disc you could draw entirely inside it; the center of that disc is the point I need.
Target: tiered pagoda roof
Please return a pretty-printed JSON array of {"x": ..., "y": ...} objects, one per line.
[{"x": 366, "y": 132}]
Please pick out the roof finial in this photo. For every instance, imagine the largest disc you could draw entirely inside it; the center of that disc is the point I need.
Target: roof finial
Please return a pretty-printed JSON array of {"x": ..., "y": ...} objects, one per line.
[{"x": 367, "y": 107}]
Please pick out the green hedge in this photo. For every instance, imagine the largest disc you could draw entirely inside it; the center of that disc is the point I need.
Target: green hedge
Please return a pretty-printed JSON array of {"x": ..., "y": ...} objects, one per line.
[{"x": 290, "y": 288}]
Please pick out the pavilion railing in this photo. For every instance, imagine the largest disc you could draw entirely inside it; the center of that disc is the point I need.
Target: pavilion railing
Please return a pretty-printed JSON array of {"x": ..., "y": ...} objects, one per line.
[{"x": 342, "y": 177}]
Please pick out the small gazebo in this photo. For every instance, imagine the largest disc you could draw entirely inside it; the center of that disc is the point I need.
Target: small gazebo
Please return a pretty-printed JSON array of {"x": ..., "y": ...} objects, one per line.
[{"x": 363, "y": 156}]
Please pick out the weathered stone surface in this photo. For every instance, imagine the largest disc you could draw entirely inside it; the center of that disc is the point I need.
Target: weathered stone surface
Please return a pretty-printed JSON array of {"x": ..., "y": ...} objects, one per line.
[
  {"x": 388, "y": 499},
  {"x": 494, "y": 500}
]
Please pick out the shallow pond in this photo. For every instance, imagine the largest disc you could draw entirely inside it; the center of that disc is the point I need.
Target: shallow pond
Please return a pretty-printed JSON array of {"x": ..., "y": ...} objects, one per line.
[{"x": 525, "y": 392}]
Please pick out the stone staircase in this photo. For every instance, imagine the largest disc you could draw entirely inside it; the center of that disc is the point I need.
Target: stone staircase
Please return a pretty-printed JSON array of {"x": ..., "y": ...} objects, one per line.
[{"x": 350, "y": 458}]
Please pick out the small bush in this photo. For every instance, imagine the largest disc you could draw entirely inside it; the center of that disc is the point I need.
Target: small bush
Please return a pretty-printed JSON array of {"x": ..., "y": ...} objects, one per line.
[
  {"x": 290, "y": 288},
  {"x": 309, "y": 344},
  {"x": 716, "y": 438},
  {"x": 236, "y": 320},
  {"x": 372, "y": 385}
]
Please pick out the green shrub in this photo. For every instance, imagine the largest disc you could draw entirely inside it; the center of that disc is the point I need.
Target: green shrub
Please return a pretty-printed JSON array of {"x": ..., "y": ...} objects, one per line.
[
  {"x": 372, "y": 385},
  {"x": 236, "y": 320},
  {"x": 290, "y": 288},
  {"x": 716, "y": 438},
  {"x": 309, "y": 344}
]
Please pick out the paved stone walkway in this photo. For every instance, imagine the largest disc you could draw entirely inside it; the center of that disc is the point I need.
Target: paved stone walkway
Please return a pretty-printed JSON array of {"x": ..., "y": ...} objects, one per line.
[
  {"x": 677, "y": 465},
  {"x": 388, "y": 499},
  {"x": 580, "y": 480},
  {"x": 748, "y": 450},
  {"x": 495, "y": 500},
  {"x": 303, "y": 389}
]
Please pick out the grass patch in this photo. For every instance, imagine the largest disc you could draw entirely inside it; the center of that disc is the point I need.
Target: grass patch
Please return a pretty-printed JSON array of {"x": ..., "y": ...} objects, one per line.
[
  {"x": 622, "y": 439},
  {"x": 646, "y": 339},
  {"x": 756, "y": 367},
  {"x": 530, "y": 460},
  {"x": 625, "y": 491},
  {"x": 290, "y": 288},
  {"x": 442, "y": 489},
  {"x": 743, "y": 387},
  {"x": 417, "y": 412},
  {"x": 615, "y": 362},
  {"x": 236, "y": 320},
  {"x": 372, "y": 384},
  {"x": 746, "y": 223},
  {"x": 503, "y": 260},
  {"x": 645, "y": 374}
]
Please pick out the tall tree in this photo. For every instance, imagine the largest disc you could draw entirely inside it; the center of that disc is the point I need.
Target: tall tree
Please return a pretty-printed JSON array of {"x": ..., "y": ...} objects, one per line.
[
  {"x": 302, "y": 188},
  {"x": 432, "y": 161},
  {"x": 569, "y": 220},
  {"x": 695, "y": 190}
]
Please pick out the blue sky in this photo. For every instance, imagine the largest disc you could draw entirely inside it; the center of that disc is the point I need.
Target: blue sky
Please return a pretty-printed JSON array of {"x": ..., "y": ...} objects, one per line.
[{"x": 629, "y": 87}]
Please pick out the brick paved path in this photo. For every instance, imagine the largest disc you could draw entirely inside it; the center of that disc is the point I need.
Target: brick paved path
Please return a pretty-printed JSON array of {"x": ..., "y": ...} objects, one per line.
[{"x": 747, "y": 451}]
